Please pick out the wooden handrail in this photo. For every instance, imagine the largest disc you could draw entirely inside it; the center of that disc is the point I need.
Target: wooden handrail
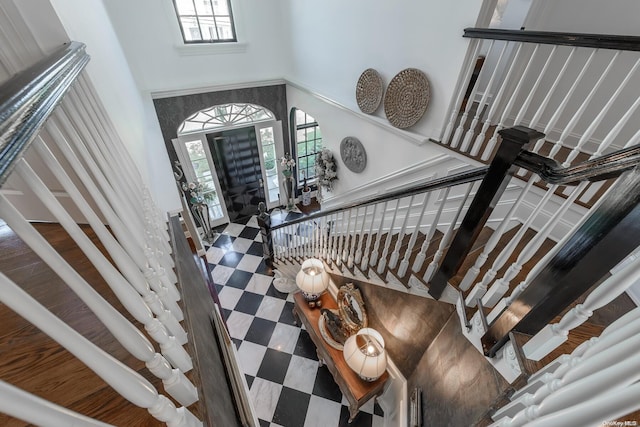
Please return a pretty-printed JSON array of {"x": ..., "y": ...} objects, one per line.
[
  {"x": 28, "y": 98},
  {"x": 598, "y": 41},
  {"x": 435, "y": 184},
  {"x": 603, "y": 167}
]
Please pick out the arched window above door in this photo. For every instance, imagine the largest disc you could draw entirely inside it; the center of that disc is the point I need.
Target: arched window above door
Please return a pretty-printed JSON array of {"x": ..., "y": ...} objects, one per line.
[{"x": 224, "y": 116}]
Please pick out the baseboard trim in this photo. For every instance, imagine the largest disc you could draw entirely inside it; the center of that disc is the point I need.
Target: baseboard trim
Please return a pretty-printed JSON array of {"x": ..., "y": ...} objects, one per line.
[{"x": 394, "y": 400}]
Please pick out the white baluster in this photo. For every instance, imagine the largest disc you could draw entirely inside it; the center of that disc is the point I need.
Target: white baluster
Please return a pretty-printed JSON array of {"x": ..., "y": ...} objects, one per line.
[
  {"x": 552, "y": 335},
  {"x": 395, "y": 255},
  {"x": 332, "y": 236},
  {"x": 462, "y": 88},
  {"x": 480, "y": 289},
  {"x": 348, "y": 237},
  {"x": 317, "y": 236},
  {"x": 35, "y": 410},
  {"x": 446, "y": 239},
  {"x": 491, "y": 244},
  {"x": 126, "y": 294},
  {"x": 121, "y": 258},
  {"x": 506, "y": 113},
  {"x": 367, "y": 246},
  {"x": 583, "y": 106},
  {"x": 387, "y": 241},
  {"x": 127, "y": 382},
  {"x": 533, "y": 91},
  {"x": 476, "y": 118},
  {"x": 125, "y": 216},
  {"x": 608, "y": 406},
  {"x": 501, "y": 286},
  {"x": 354, "y": 237},
  {"x": 576, "y": 370},
  {"x": 457, "y": 136},
  {"x": 121, "y": 154},
  {"x": 565, "y": 100},
  {"x": 559, "y": 75},
  {"x": 417, "y": 264},
  {"x": 586, "y": 136},
  {"x": 496, "y": 101},
  {"x": 341, "y": 237},
  {"x": 623, "y": 329},
  {"x": 111, "y": 275},
  {"x": 128, "y": 200},
  {"x": 113, "y": 164},
  {"x": 376, "y": 246},
  {"x": 404, "y": 264},
  {"x": 324, "y": 244},
  {"x": 308, "y": 228},
  {"x": 617, "y": 375},
  {"x": 358, "y": 256}
]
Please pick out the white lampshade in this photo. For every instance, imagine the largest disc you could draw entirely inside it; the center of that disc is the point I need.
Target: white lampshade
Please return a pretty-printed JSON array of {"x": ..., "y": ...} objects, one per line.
[
  {"x": 312, "y": 279},
  {"x": 364, "y": 353}
]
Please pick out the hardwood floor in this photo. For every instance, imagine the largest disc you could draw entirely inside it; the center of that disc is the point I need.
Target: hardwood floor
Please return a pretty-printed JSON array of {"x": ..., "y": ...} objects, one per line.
[{"x": 34, "y": 362}]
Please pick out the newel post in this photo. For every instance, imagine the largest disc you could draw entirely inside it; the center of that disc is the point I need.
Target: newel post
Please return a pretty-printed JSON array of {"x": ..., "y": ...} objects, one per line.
[
  {"x": 514, "y": 140},
  {"x": 264, "y": 222}
]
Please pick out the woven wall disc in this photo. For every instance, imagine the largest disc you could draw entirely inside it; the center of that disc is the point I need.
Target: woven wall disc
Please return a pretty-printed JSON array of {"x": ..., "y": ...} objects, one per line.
[
  {"x": 369, "y": 91},
  {"x": 407, "y": 97}
]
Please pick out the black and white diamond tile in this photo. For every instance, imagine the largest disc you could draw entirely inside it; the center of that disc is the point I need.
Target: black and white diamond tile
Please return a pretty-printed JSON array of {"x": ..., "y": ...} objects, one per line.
[{"x": 279, "y": 360}]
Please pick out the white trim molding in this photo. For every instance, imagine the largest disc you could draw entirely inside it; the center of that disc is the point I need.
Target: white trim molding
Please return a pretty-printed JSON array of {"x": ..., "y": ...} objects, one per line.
[
  {"x": 216, "y": 88},
  {"x": 394, "y": 400},
  {"x": 412, "y": 137}
]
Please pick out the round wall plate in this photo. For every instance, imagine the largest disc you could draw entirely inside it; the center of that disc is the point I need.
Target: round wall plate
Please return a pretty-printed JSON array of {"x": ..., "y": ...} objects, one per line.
[{"x": 352, "y": 154}]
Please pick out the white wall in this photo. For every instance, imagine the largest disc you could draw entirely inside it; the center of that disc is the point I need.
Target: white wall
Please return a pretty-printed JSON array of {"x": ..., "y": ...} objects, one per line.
[
  {"x": 150, "y": 36},
  {"x": 334, "y": 41},
  {"x": 87, "y": 21},
  {"x": 388, "y": 153}
]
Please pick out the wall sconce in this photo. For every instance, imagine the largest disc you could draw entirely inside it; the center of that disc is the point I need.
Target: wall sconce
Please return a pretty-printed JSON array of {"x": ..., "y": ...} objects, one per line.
[
  {"x": 364, "y": 353},
  {"x": 312, "y": 280}
]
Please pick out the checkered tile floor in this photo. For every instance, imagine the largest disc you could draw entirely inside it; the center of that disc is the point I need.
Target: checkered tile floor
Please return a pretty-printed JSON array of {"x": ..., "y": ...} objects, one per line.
[{"x": 278, "y": 358}]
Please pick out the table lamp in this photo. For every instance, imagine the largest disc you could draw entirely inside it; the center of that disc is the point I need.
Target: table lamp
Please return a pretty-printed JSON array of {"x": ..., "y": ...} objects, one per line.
[
  {"x": 312, "y": 279},
  {"x": 364, "y": 353}
]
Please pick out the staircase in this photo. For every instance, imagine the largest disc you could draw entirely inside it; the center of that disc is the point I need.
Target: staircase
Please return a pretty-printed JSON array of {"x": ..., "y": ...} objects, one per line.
[{"x": 432, "y": 241}]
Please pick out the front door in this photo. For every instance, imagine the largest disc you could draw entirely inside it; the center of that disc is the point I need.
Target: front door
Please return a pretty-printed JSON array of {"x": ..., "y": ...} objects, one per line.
[{"x": 237, "y": 162}]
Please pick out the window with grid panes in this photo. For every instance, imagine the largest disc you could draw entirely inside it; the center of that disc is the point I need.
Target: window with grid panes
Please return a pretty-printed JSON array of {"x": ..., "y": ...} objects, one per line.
[
  {"x": 205, "y": 21},
  {"x": 308, "y": 143}
]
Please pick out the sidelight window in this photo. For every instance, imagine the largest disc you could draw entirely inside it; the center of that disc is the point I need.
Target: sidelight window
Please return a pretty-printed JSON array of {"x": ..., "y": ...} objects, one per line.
[{"x": 308, "y": 142}]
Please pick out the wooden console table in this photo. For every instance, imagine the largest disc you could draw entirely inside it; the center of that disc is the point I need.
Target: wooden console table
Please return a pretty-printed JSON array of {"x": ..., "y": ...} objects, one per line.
[{"x": 355, "y": 390}]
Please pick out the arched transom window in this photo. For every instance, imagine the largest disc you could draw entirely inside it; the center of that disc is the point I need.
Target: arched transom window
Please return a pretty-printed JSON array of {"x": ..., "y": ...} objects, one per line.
[{"x": 224, "y": 116}]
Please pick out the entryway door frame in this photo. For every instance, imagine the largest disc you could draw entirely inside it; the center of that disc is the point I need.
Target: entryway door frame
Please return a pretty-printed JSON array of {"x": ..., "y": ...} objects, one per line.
[{"x": 183, "y": 157}]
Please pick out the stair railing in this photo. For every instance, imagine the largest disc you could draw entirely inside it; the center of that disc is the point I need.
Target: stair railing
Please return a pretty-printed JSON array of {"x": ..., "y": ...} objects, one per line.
[
  {"x": 510, "y": 156},
  {"x": 547, "y": 81},
  {"x": 363, "y": 236},
  {"x": 383, "y": 232},
  {"x": 52, "y": 108},
  {"x": 594, "y": 382}
]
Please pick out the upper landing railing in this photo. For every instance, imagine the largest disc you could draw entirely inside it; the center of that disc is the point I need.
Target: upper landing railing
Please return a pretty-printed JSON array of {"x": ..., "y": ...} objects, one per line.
[{"x": 52, "y": 110}]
